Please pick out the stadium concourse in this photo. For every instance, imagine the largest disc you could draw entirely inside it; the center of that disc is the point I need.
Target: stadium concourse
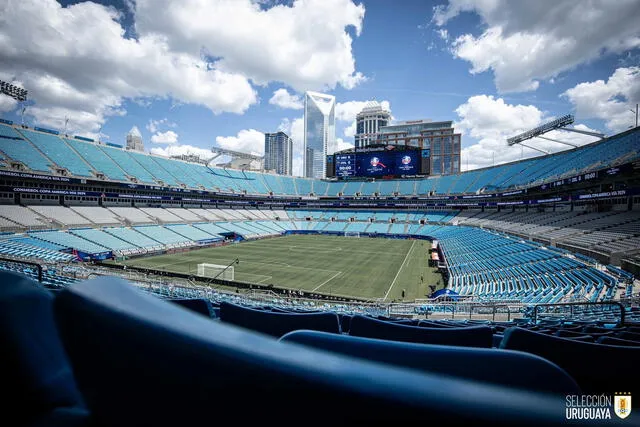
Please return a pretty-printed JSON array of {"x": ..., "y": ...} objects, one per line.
[{"x": 540, "y": 302}]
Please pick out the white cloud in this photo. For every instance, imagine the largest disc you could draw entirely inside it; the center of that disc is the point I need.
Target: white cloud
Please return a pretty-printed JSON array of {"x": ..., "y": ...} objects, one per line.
[
  {"x": 339, "y": 145},
  {"x": 168, "y": 137},
  {"x": 180, "y": 150},
  {"x": 528, "y": 41},
  {"x": 304, "y": 45},
  {"x": 611, "y": 100},
  {"x": 155, "y": 125},
  {"x": 85, "y": 71},
  {"x": 491, "y": 121},
  {"x": 247, "y": 140},
  {"x": 7, "y": 103},
  {"x": 283, "y": 99}
]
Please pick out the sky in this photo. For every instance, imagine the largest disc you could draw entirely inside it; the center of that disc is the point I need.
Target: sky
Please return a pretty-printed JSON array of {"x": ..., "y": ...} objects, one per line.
[{"x": 189, "y": 74}]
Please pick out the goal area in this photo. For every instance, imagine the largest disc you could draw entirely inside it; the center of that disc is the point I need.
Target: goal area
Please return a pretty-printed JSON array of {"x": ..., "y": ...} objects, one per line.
[
  {"x": 214, "y": 270},
  {"x": 351, "y": 234}
]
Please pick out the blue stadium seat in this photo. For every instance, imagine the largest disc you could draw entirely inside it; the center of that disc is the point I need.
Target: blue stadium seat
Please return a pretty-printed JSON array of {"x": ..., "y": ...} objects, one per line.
[
  {"x": 197, "y": 305},
  {"x": 37, "y": 384},
  {"x": 277, "y": 324},
  {"x": 509, "y": 368},
  {"x": 588, "y": 363},
  {"x": 143, "y": 361},
  {"x": 473, "y": 336}
]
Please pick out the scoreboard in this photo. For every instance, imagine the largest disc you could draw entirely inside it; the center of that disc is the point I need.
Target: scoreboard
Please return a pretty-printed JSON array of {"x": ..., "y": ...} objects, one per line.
[{"x": 378, "y": 164}]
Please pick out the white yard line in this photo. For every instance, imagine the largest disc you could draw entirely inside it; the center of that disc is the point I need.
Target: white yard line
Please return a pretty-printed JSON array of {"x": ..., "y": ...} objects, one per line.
[
  {"x": 326, "y": 281},
  {"x": 399, "y": 270},
  {"x": 265, "y": 278}
]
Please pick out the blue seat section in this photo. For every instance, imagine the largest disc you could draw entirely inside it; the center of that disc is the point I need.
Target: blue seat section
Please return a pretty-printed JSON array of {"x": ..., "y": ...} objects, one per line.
[
  {"x": 128, "y": 164},
  {"x": 388, "y": 188},
  {"x": 277, "y": 324},
  {"x": 57, "y": 150},
  {"x": 582, "y": 360},
  {"x": 407, "y": 187},
  {"x": 132, "y": 237},
  {"x": 474, "y": 336},
  {"x": 69, "y": 240},
  {"x": 211, "y": 361},
  {"x": 320, "y": 188},
  {"x": 103, "y": 239},
  {"x": 351, "y": 188},
  {"x": 239, "y": 181},
  {"x": 162, "y": 234},
  {"x": 9, "y": 132},
  {"x": 211, "y": 228},
  {"x": 508, "y": 368},
  {"x": 397, "y": 229},
  {"x": 22, "y": 151},
  {"x": 369, "y": 188},
  {"x": 37, "y": 378},
  {"x": 356, "y": 227},
  {"x": 150, "y": 164},
  {"x": 178, "y": 170},
  {"x": 288, "y": 185},
  {"x": 197, "y": 305},
  {"x": 378, "y": 227},
  {"x": 255, "y": 180},
  {"x": 98, "y": 159},
  {"x": 32, "y": 248},
  {"x": 492, "y": 266},
  {"x": 273, "y": 183},
  {"x": 304, "y": 186},
  {"x": 191, "y": 232}
]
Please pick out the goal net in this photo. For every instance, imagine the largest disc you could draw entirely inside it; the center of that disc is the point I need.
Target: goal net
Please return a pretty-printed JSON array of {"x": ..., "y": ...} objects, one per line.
[
  {"x": 213, "y": 270},
  {"x": 351, "y": 234}
]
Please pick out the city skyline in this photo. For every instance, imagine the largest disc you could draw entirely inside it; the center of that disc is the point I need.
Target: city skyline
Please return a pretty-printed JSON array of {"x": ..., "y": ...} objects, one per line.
[{"x": 495, "y": 69}]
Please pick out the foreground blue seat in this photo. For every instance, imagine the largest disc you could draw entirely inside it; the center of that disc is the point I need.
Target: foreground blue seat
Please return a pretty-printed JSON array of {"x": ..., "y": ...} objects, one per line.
[
  {"x": 36, "y": 379},
  {"x": 277, "y": 324},
  {"x": 198, "y": 305},
  {"x": 504, "y": 367},
  {"x": 588, "y": 363},
  {"x": 472, "y": 336},
  {"x": 140, "y": 360}
]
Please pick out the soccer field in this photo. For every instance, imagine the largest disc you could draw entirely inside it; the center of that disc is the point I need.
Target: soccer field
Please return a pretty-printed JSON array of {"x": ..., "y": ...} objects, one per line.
[{"x": 342, "y": 266}]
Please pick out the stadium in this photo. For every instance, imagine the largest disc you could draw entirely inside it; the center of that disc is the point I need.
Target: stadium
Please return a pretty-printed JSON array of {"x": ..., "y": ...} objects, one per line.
[{"x": 384, "y": 285}]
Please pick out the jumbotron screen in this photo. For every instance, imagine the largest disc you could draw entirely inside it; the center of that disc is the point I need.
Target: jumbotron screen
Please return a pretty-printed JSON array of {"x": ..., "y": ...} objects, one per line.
[{"x": 385, "y": 163}]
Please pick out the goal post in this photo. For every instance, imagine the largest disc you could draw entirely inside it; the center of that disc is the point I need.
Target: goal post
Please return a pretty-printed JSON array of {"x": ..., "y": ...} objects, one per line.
[
  {"x": 213, "y": 270},
  {"x": 351, "y": 234}
]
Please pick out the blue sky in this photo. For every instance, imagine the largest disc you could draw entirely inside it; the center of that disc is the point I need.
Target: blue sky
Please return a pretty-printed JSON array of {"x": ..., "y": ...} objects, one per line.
[{"x": 193, "y": 78}]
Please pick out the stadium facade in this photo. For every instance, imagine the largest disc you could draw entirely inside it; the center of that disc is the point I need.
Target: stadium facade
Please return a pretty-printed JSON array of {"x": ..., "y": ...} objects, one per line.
[
  {"x": 319, "y": 132},
  {"x": 278, "y": 153},
  {"x": 438, "y": 140}
]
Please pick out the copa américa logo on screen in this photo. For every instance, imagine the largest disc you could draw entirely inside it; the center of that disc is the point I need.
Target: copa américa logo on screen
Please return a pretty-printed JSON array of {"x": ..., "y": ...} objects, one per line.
[
  {"x": 406, "y": 160},
  {"x": 597, "y": 407}
]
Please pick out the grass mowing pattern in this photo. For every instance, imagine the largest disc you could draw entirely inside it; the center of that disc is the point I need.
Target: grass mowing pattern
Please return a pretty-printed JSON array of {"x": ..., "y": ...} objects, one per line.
[{"x": 351, "y": 267}]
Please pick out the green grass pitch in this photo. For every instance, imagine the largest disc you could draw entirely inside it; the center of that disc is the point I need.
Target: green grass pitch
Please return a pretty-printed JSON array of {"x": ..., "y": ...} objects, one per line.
[{"x": 375, "y": 268}]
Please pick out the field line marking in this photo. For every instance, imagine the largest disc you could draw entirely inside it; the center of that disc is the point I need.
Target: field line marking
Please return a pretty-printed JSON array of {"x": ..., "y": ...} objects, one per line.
[
  {"x": 399, "y": 270},
  {"x": 326, "y": 281},
  {"x": 265, "y": 278}
]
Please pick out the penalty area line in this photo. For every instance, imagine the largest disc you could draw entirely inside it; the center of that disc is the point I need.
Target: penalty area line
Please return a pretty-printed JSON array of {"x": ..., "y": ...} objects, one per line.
[{"x": 326, "y": 281}]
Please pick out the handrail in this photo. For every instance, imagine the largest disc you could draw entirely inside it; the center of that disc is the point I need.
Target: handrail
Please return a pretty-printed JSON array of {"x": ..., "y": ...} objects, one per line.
[{"x": 537, "y": 307}]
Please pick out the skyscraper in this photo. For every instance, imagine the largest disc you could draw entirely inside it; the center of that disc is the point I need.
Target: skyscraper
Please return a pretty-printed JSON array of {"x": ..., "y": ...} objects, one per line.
[
  {"x": 134, "y": 140},
  {"x": 319, "y": 132},
  {"x": 368, "y": 122},
  {"x": 278, "y": 153}
]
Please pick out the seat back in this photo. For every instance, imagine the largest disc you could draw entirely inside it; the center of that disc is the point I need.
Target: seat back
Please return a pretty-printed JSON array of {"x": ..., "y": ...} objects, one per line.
[
  {"x": 36, "y": 376},
  {"x": 504, "y": 367},
  {"x": 588, "y": 363},
  {"x": 277, "y": 324},
  {"x": 198, "y": 305},
  {"x": 473, "y": 336},
  {"x": 143, "y": 361}
]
